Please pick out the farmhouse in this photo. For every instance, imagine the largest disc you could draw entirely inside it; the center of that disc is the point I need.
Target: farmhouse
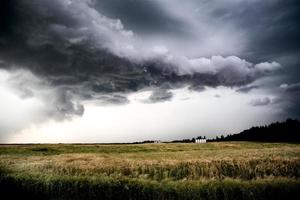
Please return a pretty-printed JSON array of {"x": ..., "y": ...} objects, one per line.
[{"x": 200, "y": 140}]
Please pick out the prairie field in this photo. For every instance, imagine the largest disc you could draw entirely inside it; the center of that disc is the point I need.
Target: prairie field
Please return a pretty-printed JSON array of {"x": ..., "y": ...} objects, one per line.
[{"x": 216, "y": 170}]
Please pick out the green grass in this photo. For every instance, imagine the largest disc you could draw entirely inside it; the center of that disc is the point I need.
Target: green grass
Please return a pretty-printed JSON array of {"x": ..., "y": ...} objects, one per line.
[{"x": 226, "y": 170}]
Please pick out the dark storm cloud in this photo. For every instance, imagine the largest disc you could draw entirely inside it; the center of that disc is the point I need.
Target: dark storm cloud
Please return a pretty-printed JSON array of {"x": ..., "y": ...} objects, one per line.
[
  {"x": 198, "y": 88},
  {"x": 291, "y": 94},
  {"x": 60, "y": 101},
  {"x": 278, "y": 100},
  {"x": 115, "y": 99},
  {"x": 295, "y": 87},
  {"x": 146, "y": 16},
  {"x": 267, "y": 101},
  {"x": 247, "y": 89},
  {"x": 75, "y": 47},
  {"x": 261, "y": 101},
  {"x": 65, "y": 106},
  {"x": 272, "y": 26},
  {"x": 160, "y": 96},
  {"x": 272, "y": 29},
  {"x": 281, "y": 36}
]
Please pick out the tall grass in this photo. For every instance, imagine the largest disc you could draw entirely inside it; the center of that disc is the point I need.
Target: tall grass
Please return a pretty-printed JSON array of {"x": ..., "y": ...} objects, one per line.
[
  {"x": 192, "y": 170},
  {"x": 167, "y": 171},
  {"x": 69, "y": 187}
]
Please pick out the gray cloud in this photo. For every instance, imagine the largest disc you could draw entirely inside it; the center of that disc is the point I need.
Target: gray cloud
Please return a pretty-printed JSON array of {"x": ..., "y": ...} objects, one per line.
[
  {"x": 272, "y": 26},
  {"x": 101, "y": 49},
  {"x": 277, "y": 100},
  {"x": 67, "y": 48},
  {"x": 160, "y": 95},
  {"x": 65, "y": 106},
  {"x": 145, "y": 17},
  {"x": 290, "y": 93},
  {"x": 59, "y": 102},
  {"x": 115, "y": 99},
  {"x": 198, "y": 88},
  {"x": 266, "y": 101},
  {"x": 295, "y": 87},
  {"x": 247, "y": 89},
  {"x": 28, "y": 100},
  {"x": 261, "y": 101}
]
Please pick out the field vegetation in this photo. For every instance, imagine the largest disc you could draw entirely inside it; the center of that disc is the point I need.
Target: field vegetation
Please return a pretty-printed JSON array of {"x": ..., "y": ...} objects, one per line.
[{"x": 217, "y": 170}]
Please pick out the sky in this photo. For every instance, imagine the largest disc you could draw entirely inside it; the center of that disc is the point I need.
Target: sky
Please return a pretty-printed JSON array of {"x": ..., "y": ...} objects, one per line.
[{"x": 103, "y": 71}]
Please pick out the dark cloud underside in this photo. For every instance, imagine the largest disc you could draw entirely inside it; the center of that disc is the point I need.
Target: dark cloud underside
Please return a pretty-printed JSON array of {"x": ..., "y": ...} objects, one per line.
[
  {"x": 146, "y": 17},
  {"x": 74, "y": 49}
]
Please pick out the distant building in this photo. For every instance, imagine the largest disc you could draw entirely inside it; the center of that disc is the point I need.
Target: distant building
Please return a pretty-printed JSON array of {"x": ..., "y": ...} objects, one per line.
[
  {"x": 200, "y": 141},
  {"x": 157, "y": 141}
]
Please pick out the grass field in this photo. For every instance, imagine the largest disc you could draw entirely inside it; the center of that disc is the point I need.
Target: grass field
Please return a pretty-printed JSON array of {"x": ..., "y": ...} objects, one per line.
[{"x": 225, "y": 170}]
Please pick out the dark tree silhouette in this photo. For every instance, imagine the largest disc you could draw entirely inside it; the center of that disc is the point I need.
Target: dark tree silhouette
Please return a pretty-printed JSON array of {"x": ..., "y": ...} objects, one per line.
[{"x": 288, "y": 131}]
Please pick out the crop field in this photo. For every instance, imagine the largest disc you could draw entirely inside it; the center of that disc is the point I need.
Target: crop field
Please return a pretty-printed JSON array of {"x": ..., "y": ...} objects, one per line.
[{"x": 217, "y": 170}]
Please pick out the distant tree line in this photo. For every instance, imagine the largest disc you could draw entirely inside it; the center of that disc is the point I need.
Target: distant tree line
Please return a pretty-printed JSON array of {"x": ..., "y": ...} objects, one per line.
[
  {"x": 188, "y": 140},
  {"x": 183, "y": 141},
  {"x": 288, "y": 131},
  {"x": 144, "y": 142}
]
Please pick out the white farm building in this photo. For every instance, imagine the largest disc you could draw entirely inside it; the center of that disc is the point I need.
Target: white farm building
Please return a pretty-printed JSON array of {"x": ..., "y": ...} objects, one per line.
[{"x": 200, "y": 140}]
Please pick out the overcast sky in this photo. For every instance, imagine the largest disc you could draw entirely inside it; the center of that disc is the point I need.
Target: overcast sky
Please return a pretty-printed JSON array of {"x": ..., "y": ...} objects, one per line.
[{"x": 133, "y": 70}]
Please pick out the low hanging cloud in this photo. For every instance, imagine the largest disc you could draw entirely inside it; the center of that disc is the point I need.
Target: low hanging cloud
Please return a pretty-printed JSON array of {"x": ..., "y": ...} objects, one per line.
[
  {"x": 27, "y": 100},
  {"x": 261, "y": 101},
  {"x": 76, "y": 53},
  {"x": 246, "y": 89},
  {"x": 295, "y": 87},
  {"x": 160, "y": 95},
  {"x": 266, "y": 101},
  {"x": 57, "y": 102},
  {"x": 233, "y": 69},
  {"x": 115, "y": 99},
  {"x": 291, "y": 94}
]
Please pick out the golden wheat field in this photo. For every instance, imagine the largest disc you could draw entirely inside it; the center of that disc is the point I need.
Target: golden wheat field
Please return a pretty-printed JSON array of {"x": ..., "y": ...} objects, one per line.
[{"x": 224, "y": 170}]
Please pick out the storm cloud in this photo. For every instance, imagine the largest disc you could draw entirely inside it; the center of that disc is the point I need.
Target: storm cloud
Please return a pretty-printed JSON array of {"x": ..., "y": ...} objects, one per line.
[
  {"x": 261, "y": 101},
  {"x": 247, "y": 89},
  {"x": 291, "y": 93},
  {"x": 294, "y": 87},
  {"x": 65, "y": 52},
  {"x": 71, "y": 42}
]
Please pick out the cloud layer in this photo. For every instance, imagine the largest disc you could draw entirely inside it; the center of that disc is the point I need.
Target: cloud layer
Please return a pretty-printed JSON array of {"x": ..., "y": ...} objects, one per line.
[
  {"x": 70, "y": 43},
  {"x": 65, "y": 52}
]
